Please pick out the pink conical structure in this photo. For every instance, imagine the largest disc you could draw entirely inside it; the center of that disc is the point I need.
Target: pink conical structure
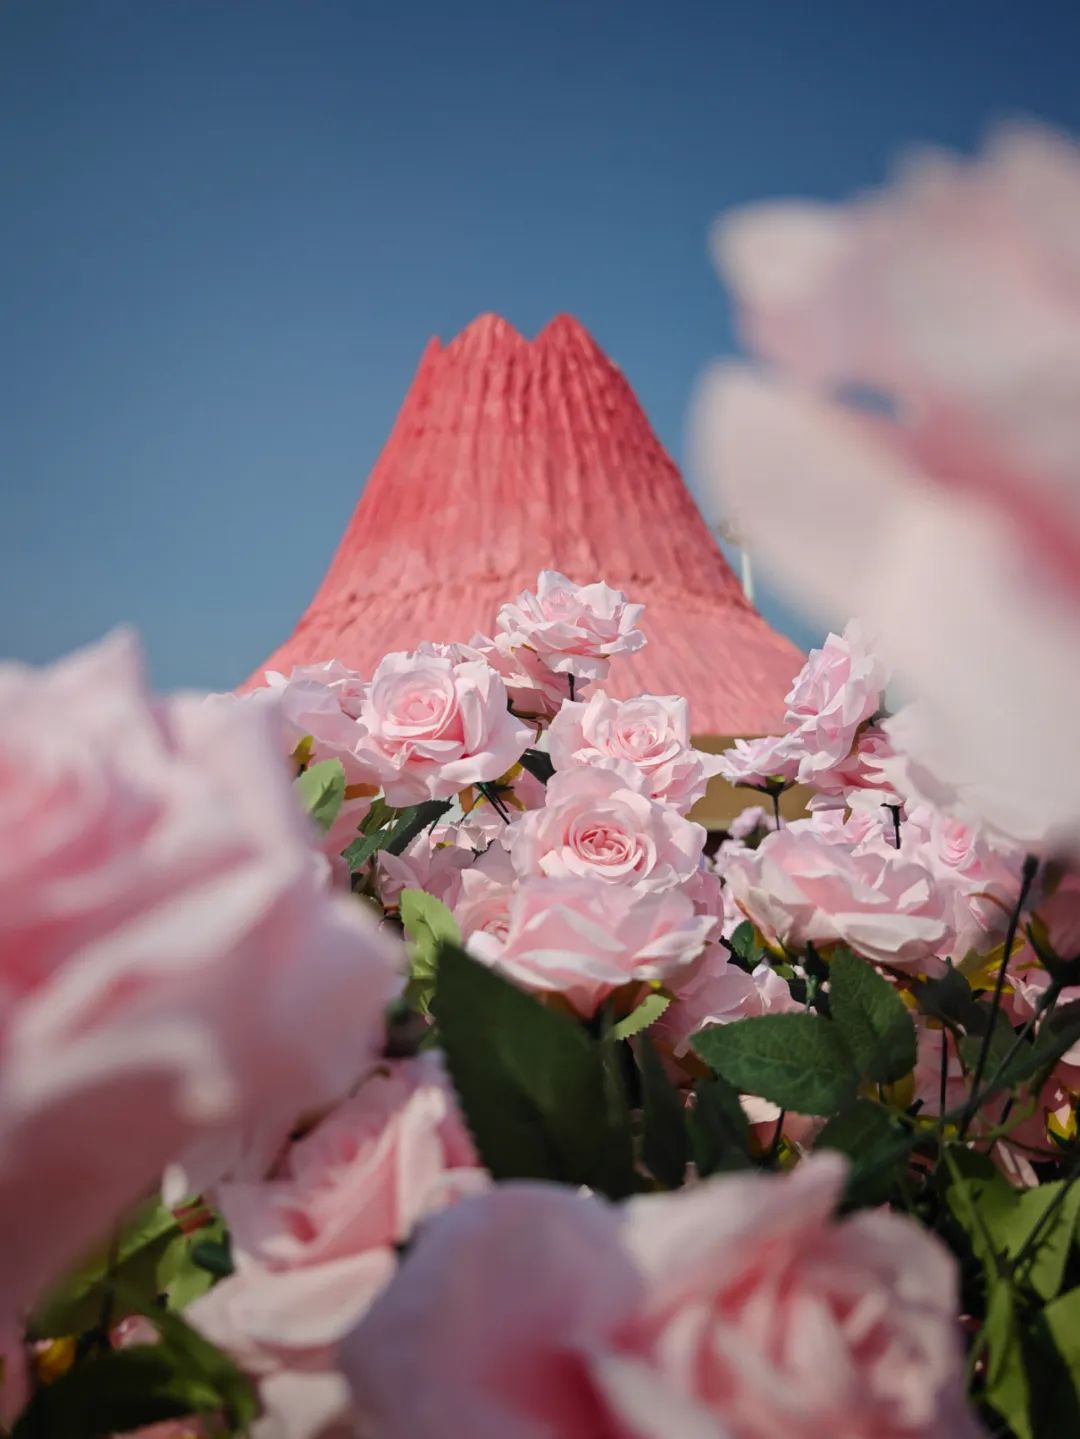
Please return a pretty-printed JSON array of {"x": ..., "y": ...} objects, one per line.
[{"x": 511, "y": 456}]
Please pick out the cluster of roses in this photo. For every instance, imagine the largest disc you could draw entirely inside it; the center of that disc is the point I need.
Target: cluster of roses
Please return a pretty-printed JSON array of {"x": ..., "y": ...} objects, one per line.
[{"x": 196, "y": 984}]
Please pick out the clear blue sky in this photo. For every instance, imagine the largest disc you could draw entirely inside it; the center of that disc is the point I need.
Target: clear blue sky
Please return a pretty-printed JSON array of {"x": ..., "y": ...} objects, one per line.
[{"x": 229, "y": 226}]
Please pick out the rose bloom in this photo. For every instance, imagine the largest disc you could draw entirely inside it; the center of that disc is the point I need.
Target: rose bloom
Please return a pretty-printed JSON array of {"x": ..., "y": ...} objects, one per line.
[
  {"x": 865, "y": 767},
  {"x": 948, "y": 514},
  {"x": 437, "y": 723},
  {"x": 435, "y": 868},
  {"x": 766, "y": 763},
  {"x": 574, "y": 629},
  {"x": 740, "y": 1308},
  {"x": 173, "y": 968},
  {"x": 320, "y": 707},
  {"x": 583, "y": 939},
  {"x": 315, "y": 1242},
  {"x": 597, "y": 824},
  {"x": 838, "y": 689},
  {"x": 536, "y": 691},
  {"x": 717, "y": 991},
  {"x": 651, "y": 732},
  {"x": 802, "y": 887}
]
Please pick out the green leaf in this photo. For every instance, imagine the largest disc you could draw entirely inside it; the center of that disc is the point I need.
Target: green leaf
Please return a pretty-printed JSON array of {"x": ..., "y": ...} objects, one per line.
[
  {"x": 531, "y": 1082},
  {"x": 950, "y": 1000},
  {"x": 1057, "y": 1034},
  {"x": 1058, "y": 1392},
  {"x": 428, "y": 923},
  {"x": 665, "y": 1146},
  {"x": 125, "y": 1389},
  {"x": 141, "y": 1254},
  {"x": 872, "y": 1018},
  {"x": 798, "y": 1061},
  {"x": 746, "y": 946},
  {"x": 719, "y": 1130},
  {"x": 1000, "y": 1220},
  {"x": 1006, "y": 1382},
  {"x": 649, "y": 1010},
  {"x": 197, "y": 1261},
  {"x": 398, "y": 835},
  {"x": 1003, "y": 1070},
  {"x": 538, "y": 764},
  {"x": 322, "y": 791},
  {"x": 876, "y": 1144}
]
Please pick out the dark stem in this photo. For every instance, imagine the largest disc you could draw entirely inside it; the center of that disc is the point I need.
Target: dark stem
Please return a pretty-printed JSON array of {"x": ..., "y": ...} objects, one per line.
[
  {"x": 570, "y": 685},
  {"x": 774, "y": 795},
  {"x": 1031, "y": 866},
  {"x": 778, "y": 1134},
  {"x": 894, "y": 810},
  {"x": 943, "y": 1078},
  {"x": 490, "y": 794}
]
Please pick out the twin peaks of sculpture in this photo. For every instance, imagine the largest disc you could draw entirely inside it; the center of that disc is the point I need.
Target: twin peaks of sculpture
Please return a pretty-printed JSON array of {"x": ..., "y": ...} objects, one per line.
[{"x": 510, "y": 456}]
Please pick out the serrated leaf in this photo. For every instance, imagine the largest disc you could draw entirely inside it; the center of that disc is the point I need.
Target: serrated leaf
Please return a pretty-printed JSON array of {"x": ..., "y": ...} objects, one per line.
[
  {"x": 877, "y": 1146},
  {"x": 532, "y": 1083},
  {"x": 322, "y": 791},
  {"x": 1000, "y": 1220},
  {"x": 798, "y": 1061},
  {"x": 950, "y": 999},
  {"x": 665, "y": 1146},
  {"x": 718, "y": 1127},
  {"x": 647, "y": 1012},
  {"x": 428, "y": 923},
  {"x": 398, "y": 835},
  {"x": 872, "y": 1018},
  {"x": 538, "y": 764}
]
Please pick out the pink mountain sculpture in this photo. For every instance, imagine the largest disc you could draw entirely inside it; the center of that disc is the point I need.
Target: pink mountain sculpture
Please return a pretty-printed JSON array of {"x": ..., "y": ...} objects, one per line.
[{"x": 509, "y": 457}]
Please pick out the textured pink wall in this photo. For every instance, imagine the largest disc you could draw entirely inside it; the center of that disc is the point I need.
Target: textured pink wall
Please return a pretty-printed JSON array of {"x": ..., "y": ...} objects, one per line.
[{"x": 511, "y": 456}]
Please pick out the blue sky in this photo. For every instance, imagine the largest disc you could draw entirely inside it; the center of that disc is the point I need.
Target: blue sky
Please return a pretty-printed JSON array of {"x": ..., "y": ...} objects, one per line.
[{"x": 229, "y": 227}]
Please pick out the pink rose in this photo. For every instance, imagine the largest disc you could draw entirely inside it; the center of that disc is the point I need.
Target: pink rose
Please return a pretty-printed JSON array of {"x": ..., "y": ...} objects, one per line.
[
  {"x": 651, "y": 732},
  {"x": 574, "y": 629},
  {"x": 536, "y": 692},
  {"x": 865, "y": 767},
  {"x": 749, "y": 821},
  {"x": 716, "y": 991},
  {"x": 483, "y": 905},
  {"x": 363, "y": 1177},
  {"x": 740, "y": 1308},
  {"x": 948, "y": 518},
  {"x": 839, "y": 688},
  {"x": 437, "y": 723},
  {"x": 800, "y": 887},
  {"x": 597, "y": 824},
  {"x": 315, "y": 1243},
  {"x": 436, "y": 868},
  {"x": 321, "y": 704},
  {"x": 172, "y": 967},
  {"x": 583, "y": 939},
  {"x": 766, "y": 763}
]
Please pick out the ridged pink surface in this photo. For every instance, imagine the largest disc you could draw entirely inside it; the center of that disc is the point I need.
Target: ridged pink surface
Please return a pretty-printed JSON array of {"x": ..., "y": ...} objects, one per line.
[{"x": 511, "y": 456}]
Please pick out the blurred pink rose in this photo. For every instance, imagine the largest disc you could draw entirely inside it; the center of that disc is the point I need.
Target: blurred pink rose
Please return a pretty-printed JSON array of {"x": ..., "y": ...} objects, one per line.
[
  {"x": 769, "y": 762},
  {"x": 800, "y": 886},
  {"x": 736, "y": 1309},
  {"x": 839, "y": 688},
  {"x": 750, "y": 820},
  {"x": 574, "y": 629},
  {"x": 583, "y": 939},
  {"x": 438, "y": 723},
  {"x": 597, "y": 824},
  {"x": 651, "y": 732},
  {"x": 483, "y": 905},
  {"x": 363, "y": 1177},
  {"x": 14, "y": 1375},
  {"x": 315, "y": 1243},
  {"x": 171, "y": 966},
  {"x": 949, "y": 517},
  {"x": 863, "y": 768},
  {"x": 322, "y": 703}
]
